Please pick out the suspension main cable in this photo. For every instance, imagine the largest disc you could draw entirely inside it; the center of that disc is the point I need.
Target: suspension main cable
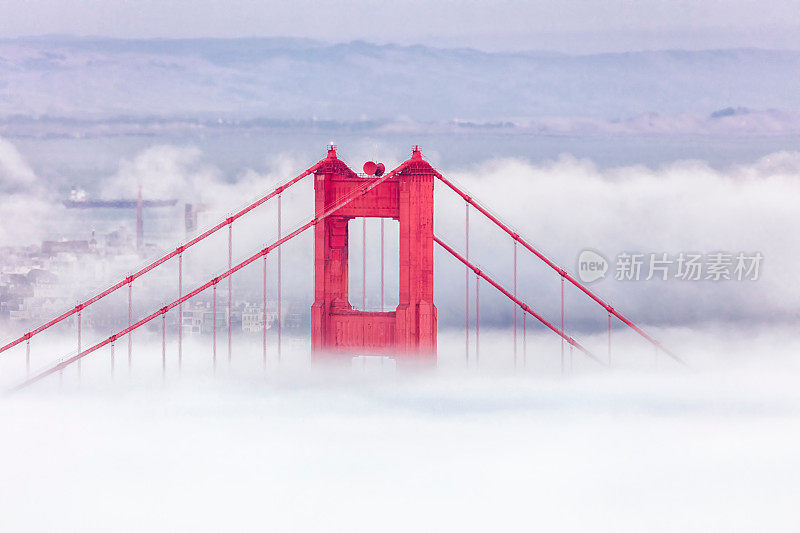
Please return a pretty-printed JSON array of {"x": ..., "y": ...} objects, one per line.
[
  {"x": 557, "y": 268},
  {"x": 360, "y": 191},
  {"x": 147, "y": 268},
  {"x": 521, "y": 304}
]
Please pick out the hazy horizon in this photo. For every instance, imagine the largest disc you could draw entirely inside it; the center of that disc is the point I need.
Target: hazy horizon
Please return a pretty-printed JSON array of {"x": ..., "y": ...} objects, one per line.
[{"x": 454, "y": 46}]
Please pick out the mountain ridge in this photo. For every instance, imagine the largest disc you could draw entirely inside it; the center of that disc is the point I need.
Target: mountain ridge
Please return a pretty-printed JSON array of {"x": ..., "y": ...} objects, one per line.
[{"x": 287, "y": 78}]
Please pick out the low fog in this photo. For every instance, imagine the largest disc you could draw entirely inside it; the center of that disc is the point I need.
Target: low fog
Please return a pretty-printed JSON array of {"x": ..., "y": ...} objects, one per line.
[
  {"x": 511, "y": 439},
  {"x": 619, "y": 451}
]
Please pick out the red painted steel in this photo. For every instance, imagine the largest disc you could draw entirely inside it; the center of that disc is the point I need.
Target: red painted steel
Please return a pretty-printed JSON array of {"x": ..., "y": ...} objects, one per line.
[
  {"x": 557, "y": 268},
  {"x": 370, "y": 168},
  {"x": 319, "y": 217},
  {"x": 337, "y": 329},
  {"x": 521, "y": 304},
  {"x": 161, "y": 260}
]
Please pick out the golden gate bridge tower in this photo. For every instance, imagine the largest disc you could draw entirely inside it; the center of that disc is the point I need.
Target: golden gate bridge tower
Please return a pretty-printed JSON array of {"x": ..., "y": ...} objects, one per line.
[{"x": 337, "y": 329}]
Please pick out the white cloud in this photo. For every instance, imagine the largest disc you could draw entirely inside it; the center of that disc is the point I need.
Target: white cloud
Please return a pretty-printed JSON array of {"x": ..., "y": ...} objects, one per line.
[
  {"x": 567, "y": 205},
  {"x": 15, "y": 173}
]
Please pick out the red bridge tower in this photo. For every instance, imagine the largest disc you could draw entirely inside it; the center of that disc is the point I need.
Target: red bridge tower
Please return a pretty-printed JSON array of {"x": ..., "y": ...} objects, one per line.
[{"x": 409, "y": 332}]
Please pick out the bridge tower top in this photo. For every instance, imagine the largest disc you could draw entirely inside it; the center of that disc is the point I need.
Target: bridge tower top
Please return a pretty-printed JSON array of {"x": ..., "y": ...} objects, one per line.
[{"x": 409, "y": 331}]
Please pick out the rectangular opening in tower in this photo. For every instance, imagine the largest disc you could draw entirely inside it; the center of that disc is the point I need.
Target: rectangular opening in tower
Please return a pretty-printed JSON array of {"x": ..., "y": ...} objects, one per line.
[{"x": 365, "y": 292}]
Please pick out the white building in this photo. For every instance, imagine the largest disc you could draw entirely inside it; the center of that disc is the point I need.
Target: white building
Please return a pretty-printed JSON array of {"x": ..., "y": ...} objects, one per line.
[
  {"x": 253, "y": 318},
  {"x": 196, "y": 318}
]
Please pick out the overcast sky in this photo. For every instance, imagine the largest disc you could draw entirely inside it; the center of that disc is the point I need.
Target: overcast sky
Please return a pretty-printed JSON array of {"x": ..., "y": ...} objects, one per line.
[{"x": 572, "y": 26}]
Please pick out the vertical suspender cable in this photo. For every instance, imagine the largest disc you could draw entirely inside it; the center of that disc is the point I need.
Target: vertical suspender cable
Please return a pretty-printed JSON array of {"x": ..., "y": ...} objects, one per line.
[
  {"x": 279, "y": 280},
  {"x": 562, "y": 324},
  {"x": 130, "y": 321},
  {"x": 524, "y": 341},
  {"x": 382, "y": 306},
  {"x": 180, "y": 312},
  {"x": 230, "y": 287},
  {"x": 27, "y": 358},
  {"x": 363, "y": 266},
  {"x": 214, "y": 328},
  {"x": 363, "y": 284},
  {"x": 466, "y": 299},
  {"x": 112, "y": 361},
  {"x": 477, "y": 317},
  {"x": 79, "y": 345},
  {"x": 515, "y": 305},
  {"x": 163, "y": 346},
  {"x": 264, "y": 316},
  {"x": 570, "y": 359},
  {"x": 609, "y": 339}
]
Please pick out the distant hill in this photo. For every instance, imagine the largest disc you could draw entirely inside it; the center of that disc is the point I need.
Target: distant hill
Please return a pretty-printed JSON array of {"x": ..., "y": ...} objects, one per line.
[{"x": 292, "y": 79}]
